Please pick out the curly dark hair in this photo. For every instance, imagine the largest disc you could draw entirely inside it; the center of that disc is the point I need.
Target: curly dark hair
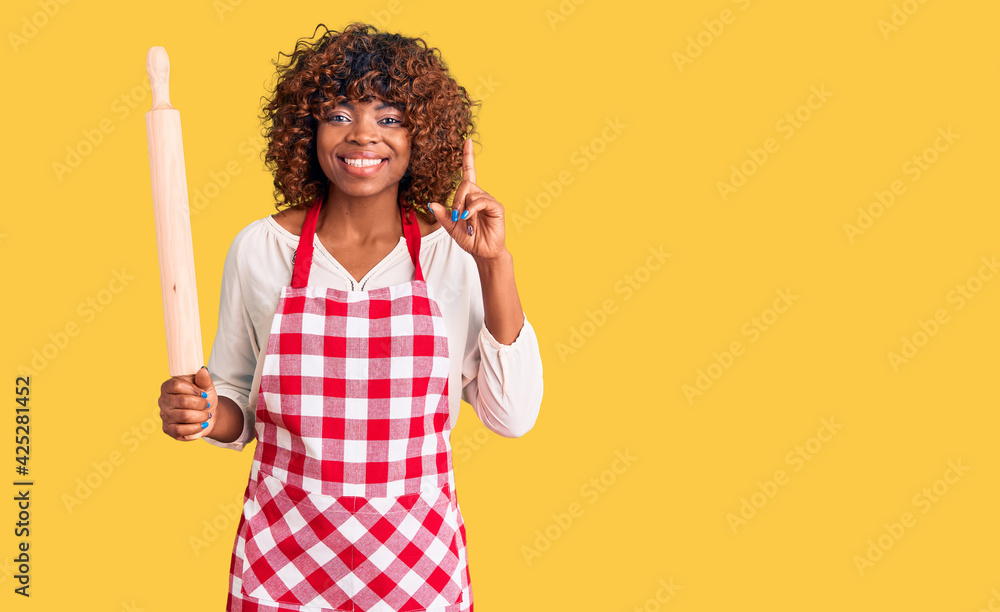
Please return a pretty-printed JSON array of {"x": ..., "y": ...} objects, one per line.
[{"x": 356, "y": 64}]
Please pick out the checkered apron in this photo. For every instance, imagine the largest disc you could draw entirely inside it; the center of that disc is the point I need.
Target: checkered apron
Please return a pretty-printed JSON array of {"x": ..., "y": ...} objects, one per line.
[{"x": 351, "y": 502}]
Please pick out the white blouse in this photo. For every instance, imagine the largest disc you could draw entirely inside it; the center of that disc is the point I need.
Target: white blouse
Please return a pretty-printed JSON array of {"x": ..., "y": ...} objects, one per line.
[{"x": 502, "y": 382}]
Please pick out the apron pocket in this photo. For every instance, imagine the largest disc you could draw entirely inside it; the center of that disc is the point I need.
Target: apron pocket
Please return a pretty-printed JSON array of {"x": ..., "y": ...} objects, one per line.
[
  {"x": 406, "y": 557},
  {"x": 298, "y": 550}
]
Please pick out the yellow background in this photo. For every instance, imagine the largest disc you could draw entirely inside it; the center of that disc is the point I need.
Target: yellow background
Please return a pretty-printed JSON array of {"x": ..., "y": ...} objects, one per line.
[{"x": 555, "y": 85}]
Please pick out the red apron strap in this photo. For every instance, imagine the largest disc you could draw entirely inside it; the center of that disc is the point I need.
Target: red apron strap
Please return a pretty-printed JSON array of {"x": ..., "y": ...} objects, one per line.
[
  {"x": 412, "y": 233},
  {"x": 304, "y": 253}
]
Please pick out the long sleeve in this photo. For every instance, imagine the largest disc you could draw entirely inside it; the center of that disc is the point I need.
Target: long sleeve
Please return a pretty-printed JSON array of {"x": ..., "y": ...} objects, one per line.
[
  {"x": 234, "y": 352},
  {"x": 502, "y": 382}
]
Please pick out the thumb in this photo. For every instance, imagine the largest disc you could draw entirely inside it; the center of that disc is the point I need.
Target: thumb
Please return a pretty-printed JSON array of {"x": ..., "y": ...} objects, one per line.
[
  {"x": 203, "y": 380},
  {"x": 440, "y": 213},
  {"x": 443, "y": 216}
]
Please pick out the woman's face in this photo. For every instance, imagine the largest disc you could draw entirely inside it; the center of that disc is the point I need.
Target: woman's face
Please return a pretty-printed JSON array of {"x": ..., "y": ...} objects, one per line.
[{"x": 363, "y": 147}]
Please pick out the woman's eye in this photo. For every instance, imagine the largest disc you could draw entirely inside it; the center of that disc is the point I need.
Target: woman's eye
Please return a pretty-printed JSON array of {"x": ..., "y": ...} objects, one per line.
[
  {"x": 338, "y": 118},
  {"x": 391, "y": 120}
]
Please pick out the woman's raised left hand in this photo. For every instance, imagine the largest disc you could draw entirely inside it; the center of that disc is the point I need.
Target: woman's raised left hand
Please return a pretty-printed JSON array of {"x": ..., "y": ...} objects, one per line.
[{"x": 473, "y": 208}]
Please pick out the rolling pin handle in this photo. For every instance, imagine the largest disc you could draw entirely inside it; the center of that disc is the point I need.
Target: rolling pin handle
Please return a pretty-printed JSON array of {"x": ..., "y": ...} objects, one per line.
[{"x": 158, "y": 69}]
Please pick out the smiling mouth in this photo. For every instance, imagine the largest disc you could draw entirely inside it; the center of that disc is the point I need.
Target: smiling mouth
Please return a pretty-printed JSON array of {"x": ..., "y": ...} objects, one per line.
[{"x": 361, "y": 162}]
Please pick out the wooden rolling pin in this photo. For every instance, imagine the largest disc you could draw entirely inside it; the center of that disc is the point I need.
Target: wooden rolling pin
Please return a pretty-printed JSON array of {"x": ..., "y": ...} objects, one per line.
[{"x": 173, "y": 223}]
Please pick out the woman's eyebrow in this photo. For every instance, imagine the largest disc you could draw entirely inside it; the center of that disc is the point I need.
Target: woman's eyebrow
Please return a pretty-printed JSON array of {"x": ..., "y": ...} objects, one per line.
[{"x": 382, "y": 106}]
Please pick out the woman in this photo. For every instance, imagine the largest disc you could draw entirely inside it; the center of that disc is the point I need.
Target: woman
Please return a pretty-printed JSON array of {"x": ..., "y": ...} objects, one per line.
[{"x": 352, "y": 324}]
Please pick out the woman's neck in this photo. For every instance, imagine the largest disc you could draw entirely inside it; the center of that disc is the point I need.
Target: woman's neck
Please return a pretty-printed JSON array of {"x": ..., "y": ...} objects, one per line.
[{"x": 347, "y": 219}]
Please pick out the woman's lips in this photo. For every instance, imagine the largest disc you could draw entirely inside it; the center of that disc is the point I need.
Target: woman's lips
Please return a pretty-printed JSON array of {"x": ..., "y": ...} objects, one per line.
[{"x": 361, "y": 170}]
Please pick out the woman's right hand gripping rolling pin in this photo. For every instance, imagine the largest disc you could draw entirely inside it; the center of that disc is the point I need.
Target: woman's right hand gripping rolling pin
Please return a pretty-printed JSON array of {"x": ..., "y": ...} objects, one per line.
[{"x": 190, "y": 410}]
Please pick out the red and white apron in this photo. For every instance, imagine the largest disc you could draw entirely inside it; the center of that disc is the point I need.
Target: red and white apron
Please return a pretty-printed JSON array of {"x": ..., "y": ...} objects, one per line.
[{"x": 351, "y": 501}]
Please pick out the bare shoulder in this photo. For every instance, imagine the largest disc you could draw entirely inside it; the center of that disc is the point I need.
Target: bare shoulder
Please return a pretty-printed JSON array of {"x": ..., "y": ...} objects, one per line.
[{"x": 291, "y": 220}]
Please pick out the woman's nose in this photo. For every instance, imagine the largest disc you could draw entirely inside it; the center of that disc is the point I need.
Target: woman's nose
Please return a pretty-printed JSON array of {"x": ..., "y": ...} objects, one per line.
[{"x": 363, "y": 132}]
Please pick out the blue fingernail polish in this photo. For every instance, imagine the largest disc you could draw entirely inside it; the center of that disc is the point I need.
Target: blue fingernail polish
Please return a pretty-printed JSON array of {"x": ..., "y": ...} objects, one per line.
[
  {"x": 209, "y": 406},
  {"x": 203, "y": 394},
  {"x": 465, "y": 214},
  {"x": 454, "y": 215},
  {"x": 204, "y": 425}
]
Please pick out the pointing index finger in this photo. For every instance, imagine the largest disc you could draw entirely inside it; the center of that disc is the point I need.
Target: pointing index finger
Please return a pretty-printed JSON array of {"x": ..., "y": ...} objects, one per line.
[{"x": 468, "y": 163}]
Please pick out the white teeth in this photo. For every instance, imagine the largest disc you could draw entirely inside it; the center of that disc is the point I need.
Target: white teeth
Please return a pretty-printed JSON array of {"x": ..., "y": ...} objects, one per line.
[{"x": 362, "y": 162}]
